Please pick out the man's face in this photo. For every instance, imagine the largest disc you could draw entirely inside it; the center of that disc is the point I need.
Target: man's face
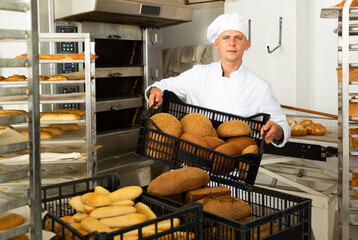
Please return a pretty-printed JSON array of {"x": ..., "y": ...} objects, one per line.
[{"x": 232, "y": 45}]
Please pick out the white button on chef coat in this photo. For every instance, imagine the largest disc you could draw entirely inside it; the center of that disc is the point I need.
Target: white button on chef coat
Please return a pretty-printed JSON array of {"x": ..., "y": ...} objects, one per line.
[{"x": 243, "y": 94}]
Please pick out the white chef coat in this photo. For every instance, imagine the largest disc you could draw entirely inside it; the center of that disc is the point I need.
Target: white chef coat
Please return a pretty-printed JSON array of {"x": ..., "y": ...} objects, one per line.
[{"x": 243, "y": 94}]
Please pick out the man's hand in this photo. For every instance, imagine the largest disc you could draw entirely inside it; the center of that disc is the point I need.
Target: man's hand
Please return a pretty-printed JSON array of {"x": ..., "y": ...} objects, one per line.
[
  {"x": 155, "y": 95},
  {"x": 274, "y": 132}
]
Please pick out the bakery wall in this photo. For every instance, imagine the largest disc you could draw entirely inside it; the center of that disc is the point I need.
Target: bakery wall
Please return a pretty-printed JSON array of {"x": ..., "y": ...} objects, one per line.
[{"x": 302, "y": 71}]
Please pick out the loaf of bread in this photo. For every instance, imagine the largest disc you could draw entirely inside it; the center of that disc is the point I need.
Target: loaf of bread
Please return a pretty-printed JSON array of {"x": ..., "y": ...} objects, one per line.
[
  {"x": 53, "y": 130},
  {"x": 43, "y": 134},
  {"x": 11, "y": 220},
  {"x": 198, "y": 124},
  {"x": 226, "y": 206},
  {"x": 67, "y": 110},
  {"x": 305, "y": 122},
  {"x": 242, "y": 142},
  {"x": 124, "y": 220},
  {"x": 95, "y": 199},
  {"x": 233, "y": 128},
  {"x": 197, "y": 194},
  {"x": 66, "y": 127},
  {"x": 178, "y": 181},
  {"x": 213, "y": 142},
  {"x": 179, "y": 197},
  {"x": 59, "y": 117},
  {"x": 111, "y": 211},
  {"x": 316, "y": 129},
  {"x": 224, "y": 164},
  {"x": 251, "y": 149}
]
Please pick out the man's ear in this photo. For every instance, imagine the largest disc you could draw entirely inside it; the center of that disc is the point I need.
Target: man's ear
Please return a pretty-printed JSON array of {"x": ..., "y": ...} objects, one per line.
[
  {"x": 247, "y": 44},
  {"x": 217, "y": 44}
]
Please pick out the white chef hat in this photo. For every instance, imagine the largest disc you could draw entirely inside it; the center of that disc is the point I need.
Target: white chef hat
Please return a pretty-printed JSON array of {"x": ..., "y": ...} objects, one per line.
[{"x": 224, "y": 22}]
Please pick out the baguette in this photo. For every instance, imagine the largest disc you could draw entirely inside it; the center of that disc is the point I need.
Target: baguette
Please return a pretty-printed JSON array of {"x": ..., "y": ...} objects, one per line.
[
  {"x": 10, "y": 221},
  {"x": 66, "y": 110},
  {"x": 95, "y": 199},
  {"x": 111, "y": 211},
  {"x": 178, "y": 181},
  {"x": 124, "y": 220},
  {"x": 66, "y": 127},
  {"x": 53, "y": 130},
  {"x": 43, "y": 134},
  {"x": 91, "y": 224},
  {"x": 126, "y": 193},
  {"x": 59, "y": 117}
]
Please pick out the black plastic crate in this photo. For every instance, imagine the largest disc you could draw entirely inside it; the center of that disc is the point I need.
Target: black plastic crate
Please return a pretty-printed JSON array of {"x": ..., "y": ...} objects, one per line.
[
  {"x": 179, "y": 153},
  {"x": 282, "y": 215},
  {"x": 56, "y": 197}
]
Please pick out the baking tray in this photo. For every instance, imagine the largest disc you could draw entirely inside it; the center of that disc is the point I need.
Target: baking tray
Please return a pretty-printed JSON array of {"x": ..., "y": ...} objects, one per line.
[{"x": 165, "y": 148}]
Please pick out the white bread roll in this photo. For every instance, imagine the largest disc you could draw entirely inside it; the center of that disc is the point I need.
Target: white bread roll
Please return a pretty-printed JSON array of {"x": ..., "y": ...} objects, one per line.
[
  {"x": 101, "y": 190},
  {"x": 95, "y": 199},
  {"x": 91, "y": 224},
  {"x": 124, "y": 220},
  {"x": 122, "y": 203},
  {"x": 111, "y": 211},
  {"x": 126, "y": 193},
  {"x": 77, "y": 203},
  {"x": 144, "y": 209}
]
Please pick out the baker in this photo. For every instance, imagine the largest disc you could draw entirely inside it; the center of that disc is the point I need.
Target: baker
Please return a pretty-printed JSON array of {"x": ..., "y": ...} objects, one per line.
[{"x": 227, "y": 85}]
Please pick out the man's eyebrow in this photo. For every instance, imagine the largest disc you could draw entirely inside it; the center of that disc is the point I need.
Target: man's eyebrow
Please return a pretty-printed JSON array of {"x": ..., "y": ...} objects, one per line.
[{"x": 228, "y": 35}]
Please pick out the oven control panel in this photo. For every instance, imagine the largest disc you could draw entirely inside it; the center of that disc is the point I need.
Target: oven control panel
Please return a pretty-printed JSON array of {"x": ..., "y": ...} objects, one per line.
[{"x": 67, "y": 48}]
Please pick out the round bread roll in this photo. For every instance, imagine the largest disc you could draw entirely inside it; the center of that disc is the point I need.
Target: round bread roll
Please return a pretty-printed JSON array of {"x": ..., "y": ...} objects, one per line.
[
  {"x": 298, "y": 130},
  {"x": 213, "y": 142},
  {"x": 233, "y": 128},
  {"x": 192, "y": 137},
  {"x": 242, "y": 142},
  {"x": 251, "y": 149},
  {"x": 167, "y": 123},
  {"x": 305, "y": 122},
  {"x": 316, "y": 129},
  {"x": 225, "y": 164},
  {"x": 291, "y": 122},
  {"x": 226, "y": 206},
  {"x": 198, "y": 124}
]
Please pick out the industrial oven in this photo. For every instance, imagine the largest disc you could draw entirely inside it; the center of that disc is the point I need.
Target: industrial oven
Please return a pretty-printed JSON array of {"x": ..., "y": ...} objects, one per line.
[{"x": 127, "y": 36}]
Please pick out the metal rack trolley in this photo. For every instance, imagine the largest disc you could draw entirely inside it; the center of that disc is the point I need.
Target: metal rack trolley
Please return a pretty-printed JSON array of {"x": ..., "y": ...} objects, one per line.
[
  {"x": 86, "y": 137},
  {"x": 8, "y": 202},
  {"x": 347, "y": 161}
]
